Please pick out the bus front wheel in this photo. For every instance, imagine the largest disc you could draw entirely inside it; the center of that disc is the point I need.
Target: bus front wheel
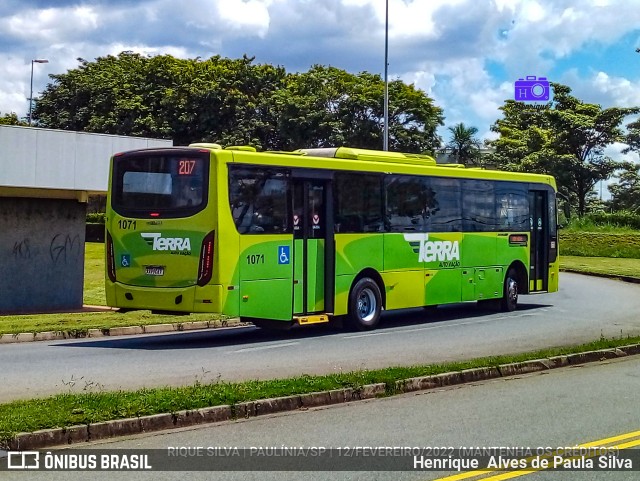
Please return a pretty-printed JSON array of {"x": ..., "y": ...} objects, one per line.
[
  {"x": 510, "y": 291},
  {"x": 365, "y": 305}
]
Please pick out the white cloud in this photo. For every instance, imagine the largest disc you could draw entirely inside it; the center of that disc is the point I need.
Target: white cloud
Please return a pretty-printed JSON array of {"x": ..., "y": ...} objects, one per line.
[
  {"x": 465, "y": 90},
  {"x": 621, "y": 91},
  {"x": 615, "y": 152},
  {"x": 50, "y": 24},
  {"x": 533, "y": 11},
  {"x": 249, "y": 16},
  {"x": 15, "y": 86},
  {"x": 603, "y": 89}
]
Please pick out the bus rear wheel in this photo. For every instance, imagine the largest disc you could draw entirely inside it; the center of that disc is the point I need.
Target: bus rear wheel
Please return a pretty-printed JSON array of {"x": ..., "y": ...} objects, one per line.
[
  {"x": 365, "y": 305},
  {"x": 510, "y": 292}
]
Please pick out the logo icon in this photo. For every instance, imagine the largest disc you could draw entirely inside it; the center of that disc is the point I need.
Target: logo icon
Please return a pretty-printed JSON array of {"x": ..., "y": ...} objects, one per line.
[
  {"x": 125, "y": 260},
  {"x": 430, "y": 251},
  {"x": 23, "y": 460},
  {"x": 532, "y": 89},
  {"x": 159, "y": 243},
  {"x": 283, "y": 254}
]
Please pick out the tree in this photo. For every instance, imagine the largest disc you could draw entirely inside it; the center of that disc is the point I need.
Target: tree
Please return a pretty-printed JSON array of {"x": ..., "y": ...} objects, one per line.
[
  {"x": 217, "y": 99},
  {"x": 625, "y": 194},
  {"x": 464, "y": 146},
  {"x": 234, "y": 101},
  {"x": 327, "y": 106},
  {"x": 565, "y": 138},
  {"x": 11, "y": 119}
]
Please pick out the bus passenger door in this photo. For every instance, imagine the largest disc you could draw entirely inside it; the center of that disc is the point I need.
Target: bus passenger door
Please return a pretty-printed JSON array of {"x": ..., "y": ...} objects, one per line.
[
  {"x": 313, "y": 247},
  {"x": 540, "y": 241}
]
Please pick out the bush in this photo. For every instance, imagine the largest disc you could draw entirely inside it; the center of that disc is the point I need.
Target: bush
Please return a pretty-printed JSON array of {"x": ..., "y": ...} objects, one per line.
[
  {"x": 96, "y": 218},
  {"x": 606, "y": 221},
  {"x": 618, "y": 219}
]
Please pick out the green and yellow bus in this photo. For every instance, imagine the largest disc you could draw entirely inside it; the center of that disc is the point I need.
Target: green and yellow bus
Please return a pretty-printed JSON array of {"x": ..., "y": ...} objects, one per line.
[{"x": 278, "y": 238}]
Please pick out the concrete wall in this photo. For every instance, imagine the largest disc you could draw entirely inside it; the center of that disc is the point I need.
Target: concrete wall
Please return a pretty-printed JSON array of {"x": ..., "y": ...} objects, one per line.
[
  {"x": 58, "y": 159},
  {"x": 41, "y": 254},
  {"x": 45, "y": 178}
]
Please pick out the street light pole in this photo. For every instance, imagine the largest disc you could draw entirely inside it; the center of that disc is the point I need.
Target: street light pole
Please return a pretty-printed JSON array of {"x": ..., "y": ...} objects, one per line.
[
  {"x": 385, "y": 140},
  {"x": 37, "y": 60}
]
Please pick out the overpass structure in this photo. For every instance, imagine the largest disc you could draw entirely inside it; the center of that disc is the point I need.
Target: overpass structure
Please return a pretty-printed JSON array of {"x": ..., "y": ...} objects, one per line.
[{"x": 46, "y": 177}]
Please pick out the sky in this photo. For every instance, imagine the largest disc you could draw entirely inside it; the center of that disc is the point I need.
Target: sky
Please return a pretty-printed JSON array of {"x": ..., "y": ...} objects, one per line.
[{"x": 465, "y": 54}]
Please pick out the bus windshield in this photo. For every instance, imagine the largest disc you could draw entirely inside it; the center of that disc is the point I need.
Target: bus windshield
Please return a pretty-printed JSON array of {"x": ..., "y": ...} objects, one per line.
[{"x": 159, "y": 184}]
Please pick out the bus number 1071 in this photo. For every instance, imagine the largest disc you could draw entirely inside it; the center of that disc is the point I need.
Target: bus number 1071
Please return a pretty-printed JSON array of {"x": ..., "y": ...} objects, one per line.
[
  {"x": 126, "y": 224},
  {"x": 255, "y": 259}
]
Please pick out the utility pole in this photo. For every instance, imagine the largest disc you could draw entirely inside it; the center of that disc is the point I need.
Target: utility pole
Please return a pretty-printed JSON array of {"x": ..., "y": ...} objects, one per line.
[{"x": 385, "y": 142}]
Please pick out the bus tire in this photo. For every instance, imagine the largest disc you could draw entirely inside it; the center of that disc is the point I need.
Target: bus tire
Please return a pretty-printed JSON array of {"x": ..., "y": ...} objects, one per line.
[
  {"x": 365, "y": 305},
  {"x": 509, "y": 300}
]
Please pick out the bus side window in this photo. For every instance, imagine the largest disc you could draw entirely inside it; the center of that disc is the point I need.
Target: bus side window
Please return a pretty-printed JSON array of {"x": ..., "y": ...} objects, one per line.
[
  {"x": 258, "y": 200},
  {"x": 405, "y": 210},
  {"x": 358, "y": 209},
  {"x": 447, "y": 196},
  {"x": 512, "y": 206}
]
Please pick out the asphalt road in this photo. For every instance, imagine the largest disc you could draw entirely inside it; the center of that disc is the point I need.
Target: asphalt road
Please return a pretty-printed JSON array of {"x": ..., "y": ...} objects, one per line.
[
  {"x": 584, "y": 309},
  {"x": 555, "y": 409}
]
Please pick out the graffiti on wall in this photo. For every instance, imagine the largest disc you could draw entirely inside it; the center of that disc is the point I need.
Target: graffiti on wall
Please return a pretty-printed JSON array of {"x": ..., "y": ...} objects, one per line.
[
  {"x": 64, "y": 247},
  {"x": 22, "y": 249}
]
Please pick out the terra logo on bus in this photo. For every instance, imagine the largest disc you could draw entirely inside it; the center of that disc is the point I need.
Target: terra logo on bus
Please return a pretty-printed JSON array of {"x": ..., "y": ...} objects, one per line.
[
  {"x": 159, "y": 243},
  {"x": 446, "y": 252}
]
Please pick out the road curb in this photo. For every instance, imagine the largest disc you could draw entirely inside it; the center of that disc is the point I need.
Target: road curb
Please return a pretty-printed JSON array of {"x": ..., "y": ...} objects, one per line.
[
  {"x": 114, "y": 331},
  {"x": 249, "y": 409}
]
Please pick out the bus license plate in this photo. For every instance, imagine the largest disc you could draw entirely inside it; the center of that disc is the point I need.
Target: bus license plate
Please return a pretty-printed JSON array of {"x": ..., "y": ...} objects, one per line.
[{"x": 154, "y": 270}]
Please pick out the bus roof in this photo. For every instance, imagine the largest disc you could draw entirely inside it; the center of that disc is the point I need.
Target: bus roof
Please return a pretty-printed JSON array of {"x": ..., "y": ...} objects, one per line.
[
  {"x": 348, "y": 158},
  {"x": 372, "y": 155}
]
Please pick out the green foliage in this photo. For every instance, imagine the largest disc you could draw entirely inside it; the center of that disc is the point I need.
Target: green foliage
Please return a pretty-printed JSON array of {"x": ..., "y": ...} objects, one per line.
[
  {"x": 327, "y": 106},
  {"x": 599, "y": 244},
  {"x": 96, "y": 218},
  {"x": 11, "y": 119},
  {"x": 464, "y": 146},
  {"x": 566, "y": 139},
  {"x": 625, "y": 194},
  {"x": 620, "y": 222},
  {"x": 236, "y": 102}
]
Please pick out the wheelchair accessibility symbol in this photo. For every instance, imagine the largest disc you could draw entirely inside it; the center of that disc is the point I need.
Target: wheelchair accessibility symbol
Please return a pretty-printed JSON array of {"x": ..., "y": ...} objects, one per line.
[
  {"x": 283, "y": 254},
  {"x": 125, "y": 260}
]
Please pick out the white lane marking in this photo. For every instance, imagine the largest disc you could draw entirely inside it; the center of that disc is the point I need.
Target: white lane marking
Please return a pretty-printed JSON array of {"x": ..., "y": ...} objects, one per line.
[
  {"x": 367, "y": 335},
  {"x": 446, "y": 324},
  {"x": 264, "y": 348}
]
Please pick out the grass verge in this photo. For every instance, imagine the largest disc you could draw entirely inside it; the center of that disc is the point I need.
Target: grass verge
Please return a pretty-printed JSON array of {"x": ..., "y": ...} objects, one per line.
[
  {"x": 602, "y": 265},
  {"x": 69, "y": 409},
  {"x": 78, "y": 324},
  {"x": 93, "y": 293}
]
